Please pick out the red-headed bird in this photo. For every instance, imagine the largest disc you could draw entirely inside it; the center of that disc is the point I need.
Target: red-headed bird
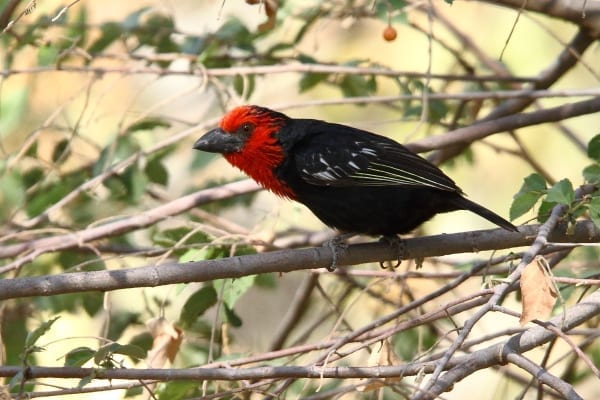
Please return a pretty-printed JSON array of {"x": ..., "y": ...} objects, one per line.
[{"x": 352, "y": 180}]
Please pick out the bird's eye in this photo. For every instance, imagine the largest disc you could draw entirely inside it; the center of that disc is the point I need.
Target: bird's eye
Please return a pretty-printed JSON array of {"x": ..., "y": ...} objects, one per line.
[{"x": 246, "y": 128}]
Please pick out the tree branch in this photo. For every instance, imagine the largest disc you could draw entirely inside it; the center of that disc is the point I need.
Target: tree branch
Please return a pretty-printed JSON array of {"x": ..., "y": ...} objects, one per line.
[
  {"x": 482, "y": 129},
  {"x": 463, "y": 365},
  {"x": 283, "y": 261},
  {"x": 585, "y": 14}
]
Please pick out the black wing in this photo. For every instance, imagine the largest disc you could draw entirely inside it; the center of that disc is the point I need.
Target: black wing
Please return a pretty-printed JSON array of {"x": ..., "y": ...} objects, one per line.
[{"x": 338, "y": 155}]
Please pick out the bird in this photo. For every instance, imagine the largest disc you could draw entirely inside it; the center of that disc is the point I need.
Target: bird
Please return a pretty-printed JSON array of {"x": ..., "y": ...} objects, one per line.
[{"x": 355, "y": 181}]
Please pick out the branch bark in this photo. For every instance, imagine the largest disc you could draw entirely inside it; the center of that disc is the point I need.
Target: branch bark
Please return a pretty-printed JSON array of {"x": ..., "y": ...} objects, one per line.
[{"x": 284, "y": 261}]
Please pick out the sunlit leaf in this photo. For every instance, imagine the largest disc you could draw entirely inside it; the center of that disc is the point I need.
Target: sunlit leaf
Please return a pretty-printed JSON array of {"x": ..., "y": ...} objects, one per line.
[
  {"x": 47, "y": 55},
  {"x": 34, "y": 335},
  {"x": 561, "y": 193},
  {"x": 79, "y": 356},
  {"x": 594, "y": 210},
  {"x": 593, "y": 150}
]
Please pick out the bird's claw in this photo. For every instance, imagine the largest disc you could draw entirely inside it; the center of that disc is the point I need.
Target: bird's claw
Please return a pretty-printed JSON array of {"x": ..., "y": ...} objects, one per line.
[
  {"x": 335, "y": 244},
  {"x": 398, "y": 243}
]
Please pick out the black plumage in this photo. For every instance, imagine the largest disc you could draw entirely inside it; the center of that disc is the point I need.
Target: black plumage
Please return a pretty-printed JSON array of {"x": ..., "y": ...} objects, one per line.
[{"x": 351, "y": 179}]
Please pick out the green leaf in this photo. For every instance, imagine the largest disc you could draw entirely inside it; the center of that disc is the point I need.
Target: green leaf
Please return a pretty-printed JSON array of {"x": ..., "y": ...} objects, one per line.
[
  {"x": 193, "y": 45},
  {"x": 92, "y": 303},
  {"x": 106, "y": 351},
  {"x": 591, "y": 173},
  {"x": 60, "y": 150},
  {"x": 110, "y": 32},
  {"x": 120, "y": 321},
  {"x": 197, "y": 304},
  {"x": 12, "y": 193},
  {"x": 156, "y": 172},
  {"x": 244, "y": 85},
  {"x": 354, "y": 86},
  {"x": 235, "y": 288},
  {"x": 267, "y": 281},
  {"x": 234, "y": 32},
  {"x": 47, "y": 55},
  {"x": 545, "y": 210},
  {"x": 437, "y": 110},
  {"x": 173, "y": 236},
  {"x": 310, "y": 80},
  {"x": 176, "y": 390},
  {"x": 561, "y": 193},
  {"x": 142, "y": 340},
  {"x": 205, "y": 253},
  {"x": 233, "y": 319},
  {"x": 33, "y": 336},
  {"x": 51, "y": 192},
  {"x": 408, "y": 343},
  {"x": 594, "y": 210},
  {"x": 118, "y": 150},
  {"x": 85, "y": 381},
  {"x": 147, "y": 124},
  {"x": 132, "y": 21},
  {"x": 79, "y": 356},
  {"x": 32, "y": 176},
  {"x": 534, "y": 183},
  {"x": 522, "y": 203},
  {"x": 130, "y": 350},
  {"x": 534, "y": 187},
  {"x": 13, "y": 105},
  {"x": 135, "y": 182},
  {"x": 593, "y": 150},
  {"x": 14, "y": 333}
]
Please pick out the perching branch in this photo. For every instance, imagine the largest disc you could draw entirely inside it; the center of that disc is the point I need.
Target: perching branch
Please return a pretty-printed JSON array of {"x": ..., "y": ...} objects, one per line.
[{"x": 283, "y": 261}]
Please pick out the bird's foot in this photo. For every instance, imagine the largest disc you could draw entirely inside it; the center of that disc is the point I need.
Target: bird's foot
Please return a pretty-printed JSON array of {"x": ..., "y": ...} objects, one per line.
[
  {"x": 396, "y": 242},
  {"x": 335, "y": 244}
]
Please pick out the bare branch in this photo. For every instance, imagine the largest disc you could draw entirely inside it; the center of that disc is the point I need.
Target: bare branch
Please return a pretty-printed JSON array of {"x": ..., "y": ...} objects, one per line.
[{"x": 282, "y": 261}]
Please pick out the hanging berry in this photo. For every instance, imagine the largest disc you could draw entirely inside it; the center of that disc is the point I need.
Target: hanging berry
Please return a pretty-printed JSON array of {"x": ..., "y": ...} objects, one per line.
[{"x": 389, "y": 34}]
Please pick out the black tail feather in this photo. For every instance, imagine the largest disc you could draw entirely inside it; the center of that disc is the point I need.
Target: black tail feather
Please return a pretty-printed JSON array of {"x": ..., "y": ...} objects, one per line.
[{"x": 466, "y": 204}]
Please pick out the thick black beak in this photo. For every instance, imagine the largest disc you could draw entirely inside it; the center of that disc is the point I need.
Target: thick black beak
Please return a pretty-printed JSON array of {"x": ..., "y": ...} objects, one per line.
[{"x": 219, "y": 141}]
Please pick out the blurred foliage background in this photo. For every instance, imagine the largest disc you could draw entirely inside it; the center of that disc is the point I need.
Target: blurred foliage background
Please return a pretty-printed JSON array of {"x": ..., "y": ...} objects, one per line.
[{"x": 100, "y": 103}]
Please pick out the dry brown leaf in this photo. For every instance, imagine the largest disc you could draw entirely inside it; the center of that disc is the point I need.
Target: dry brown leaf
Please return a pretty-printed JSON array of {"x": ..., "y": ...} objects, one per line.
[
  {"x": 537, "y": 292},
  {"x": 165, "y": 346},
  {"x": 271, "y": 7}
]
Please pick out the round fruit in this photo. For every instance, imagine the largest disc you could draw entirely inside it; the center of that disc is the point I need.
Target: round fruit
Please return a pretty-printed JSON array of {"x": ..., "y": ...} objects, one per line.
[{"x": 389, "y": 34}]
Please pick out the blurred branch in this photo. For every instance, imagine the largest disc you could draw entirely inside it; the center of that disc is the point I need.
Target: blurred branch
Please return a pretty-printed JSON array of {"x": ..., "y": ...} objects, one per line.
[
  {"x": 8, "y": 23},
  {"x": 261, "y": 70},
  {"x": 492, "y": 355},
  {"x": 36, "y": 247},
  {"x": 281, "y": 261},
  {"x": 585, "y": 14},
  {"x": 487, "y": 127},
  {"x": 7, "y": 13},
  {"x": 566, "y": 59}
]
